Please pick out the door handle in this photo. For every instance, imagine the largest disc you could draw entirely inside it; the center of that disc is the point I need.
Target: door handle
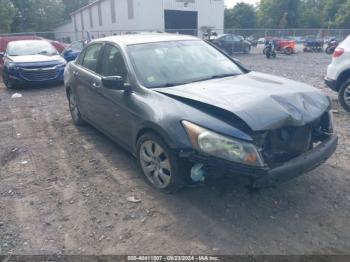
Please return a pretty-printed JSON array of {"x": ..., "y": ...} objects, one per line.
[{"x": 96, "y": 85}]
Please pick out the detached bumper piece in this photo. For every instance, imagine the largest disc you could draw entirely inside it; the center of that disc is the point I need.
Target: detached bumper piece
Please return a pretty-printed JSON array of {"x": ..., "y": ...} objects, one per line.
[{"x": 266, "y": 177}]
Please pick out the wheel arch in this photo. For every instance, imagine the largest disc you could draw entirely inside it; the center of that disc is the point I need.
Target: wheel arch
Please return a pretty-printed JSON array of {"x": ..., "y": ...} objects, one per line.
[
  {"x": 153, "y": 130},
  {"x": 157, "y": 130},
  {"x": 344, "y": 76}
]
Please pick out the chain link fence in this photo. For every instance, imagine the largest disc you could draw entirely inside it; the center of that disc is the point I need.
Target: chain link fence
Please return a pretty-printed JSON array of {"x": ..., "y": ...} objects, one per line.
[{"x": 68, "y": 37}]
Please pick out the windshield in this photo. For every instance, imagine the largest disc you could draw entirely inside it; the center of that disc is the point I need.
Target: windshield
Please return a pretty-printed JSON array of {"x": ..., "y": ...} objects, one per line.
[
  {"x": 174, "y": 63},
  {"x": 20, "y": 48}
]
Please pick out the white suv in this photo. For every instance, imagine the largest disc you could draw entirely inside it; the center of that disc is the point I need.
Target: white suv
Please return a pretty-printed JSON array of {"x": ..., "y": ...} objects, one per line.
[{"x": 338, "y": 73}]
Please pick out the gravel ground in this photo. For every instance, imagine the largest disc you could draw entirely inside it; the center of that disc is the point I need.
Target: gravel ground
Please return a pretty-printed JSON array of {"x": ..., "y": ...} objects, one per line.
[{"x": 64, "y": 189}]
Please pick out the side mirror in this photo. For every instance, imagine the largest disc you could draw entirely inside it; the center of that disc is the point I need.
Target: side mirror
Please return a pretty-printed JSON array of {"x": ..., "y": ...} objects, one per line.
[
  {"x": 115, "y": 83},
  {"x": 2, "y": 54}
]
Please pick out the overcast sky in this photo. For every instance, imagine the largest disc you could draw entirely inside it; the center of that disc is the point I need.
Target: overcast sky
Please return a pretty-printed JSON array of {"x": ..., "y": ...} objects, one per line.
[{"x": 231, "y": 3}]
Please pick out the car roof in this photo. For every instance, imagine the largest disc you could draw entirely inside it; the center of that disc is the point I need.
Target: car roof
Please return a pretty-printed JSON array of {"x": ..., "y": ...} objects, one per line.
[{"x": 133, "y": 39}]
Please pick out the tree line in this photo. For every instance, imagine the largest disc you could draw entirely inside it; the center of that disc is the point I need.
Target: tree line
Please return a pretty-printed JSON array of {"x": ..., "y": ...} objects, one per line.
[
  {"x": 36, "y": 15},
  {"x": 290, "y": 14}
]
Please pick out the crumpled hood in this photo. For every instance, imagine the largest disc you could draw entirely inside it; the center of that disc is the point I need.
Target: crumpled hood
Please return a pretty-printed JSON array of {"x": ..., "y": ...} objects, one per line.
[
  {"x": 263, "y": 102},
  {"x": 35, "y": 58}
]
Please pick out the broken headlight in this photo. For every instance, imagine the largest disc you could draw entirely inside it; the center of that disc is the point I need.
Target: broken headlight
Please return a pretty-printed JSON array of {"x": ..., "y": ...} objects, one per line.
[{"x": 222, "y": 147}]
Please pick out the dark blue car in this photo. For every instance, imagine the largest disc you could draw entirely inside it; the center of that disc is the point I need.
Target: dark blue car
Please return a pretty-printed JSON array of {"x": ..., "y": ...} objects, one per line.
[
  {"x": 32, "y": 62},
  {"x": 73, "y": 50}
]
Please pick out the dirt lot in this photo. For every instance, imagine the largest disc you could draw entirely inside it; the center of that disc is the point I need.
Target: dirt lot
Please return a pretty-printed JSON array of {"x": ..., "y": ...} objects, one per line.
[{"x": 64, "y": 190}]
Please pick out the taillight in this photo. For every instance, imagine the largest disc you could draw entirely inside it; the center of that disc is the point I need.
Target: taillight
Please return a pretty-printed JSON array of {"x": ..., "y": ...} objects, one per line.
[{"x": 338, "y": 52}]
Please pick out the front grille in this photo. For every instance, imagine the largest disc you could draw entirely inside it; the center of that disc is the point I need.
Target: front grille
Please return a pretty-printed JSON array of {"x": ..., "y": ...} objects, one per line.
[{"x": 39, "y": 74}]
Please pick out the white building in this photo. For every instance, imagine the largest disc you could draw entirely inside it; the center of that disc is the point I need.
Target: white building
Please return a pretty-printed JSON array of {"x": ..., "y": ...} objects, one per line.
[{"x": 107, "y": 17}]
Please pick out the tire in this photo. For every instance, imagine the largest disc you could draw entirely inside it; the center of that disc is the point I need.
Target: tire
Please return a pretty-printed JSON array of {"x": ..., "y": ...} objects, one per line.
[
  {"x": 247, "y": 50},
  {"x": 74, "y": 109},
  {"x": 264, "y": 51},
  {"x": 268, "y": 55},
  {"x": 8, "y": 83},
  {"x": 274, "y": 55},
  {"x": 288, "y": 51},
  {"x": 330, "y": 50},
  {"x": 159, "y": 166},
  {"x": 344, "y": 95}
]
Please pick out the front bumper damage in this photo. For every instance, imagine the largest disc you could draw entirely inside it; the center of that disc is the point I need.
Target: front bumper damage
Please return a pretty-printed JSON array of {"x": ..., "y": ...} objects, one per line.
[{"x": 261, "y": 177}]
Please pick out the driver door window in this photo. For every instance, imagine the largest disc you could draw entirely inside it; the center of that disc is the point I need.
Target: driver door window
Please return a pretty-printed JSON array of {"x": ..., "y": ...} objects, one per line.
[
  {"x": 91, "y": 57},
  {"x": 113, "y": 63}
]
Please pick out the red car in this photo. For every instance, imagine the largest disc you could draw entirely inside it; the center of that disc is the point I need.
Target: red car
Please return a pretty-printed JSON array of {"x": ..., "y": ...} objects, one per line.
[{"x": 4, "y": 40}]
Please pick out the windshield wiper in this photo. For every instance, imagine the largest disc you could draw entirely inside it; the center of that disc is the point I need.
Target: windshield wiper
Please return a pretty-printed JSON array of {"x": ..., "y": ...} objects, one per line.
[
  {"x": 222, "y": 76},
  {"x": 169, "y": 85},
  {"x": 194, "y": 81},
  {"x": 214, "y": 77}
]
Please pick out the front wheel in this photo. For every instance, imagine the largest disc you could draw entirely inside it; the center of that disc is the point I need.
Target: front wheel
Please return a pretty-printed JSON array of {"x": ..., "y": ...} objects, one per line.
[
  {"x": 344, "y": 96},
  {"x": 160, "y": 167},
  {"x": 247, "y": 50},
  {"x": 7, "y": 81}
]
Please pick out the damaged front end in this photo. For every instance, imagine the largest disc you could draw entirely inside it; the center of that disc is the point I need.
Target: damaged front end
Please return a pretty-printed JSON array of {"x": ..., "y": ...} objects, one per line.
[{"x": 285, "y": 153}]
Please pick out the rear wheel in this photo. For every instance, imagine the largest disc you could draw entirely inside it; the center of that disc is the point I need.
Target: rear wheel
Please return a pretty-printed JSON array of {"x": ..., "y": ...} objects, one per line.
[
  {"x": 247, "y": 49},
  {"x": 344, "y": 95},
  {"x": 160, "y": 167},
  {"x": 288, "y": 51},
  {"x": 73, "y": 108},
  {"x": 330, "y": 50}
]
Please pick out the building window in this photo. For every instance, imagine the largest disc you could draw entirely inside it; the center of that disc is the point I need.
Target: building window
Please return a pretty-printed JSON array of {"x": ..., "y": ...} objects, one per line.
[
  {"x": 90, "y": 16},
  {"x": 99, "y": 14},
  {"x": 82, "y": 20},
  {"x": 130, "y": 9},
  {"x": 114, "y": 19}
]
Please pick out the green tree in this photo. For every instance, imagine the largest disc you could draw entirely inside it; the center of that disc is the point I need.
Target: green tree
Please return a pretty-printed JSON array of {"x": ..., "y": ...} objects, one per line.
[
  {"x": 73, "y": 5},
  {"x": 278, "y": 13},
  {"x": 37, "y": 15},
  {"x": 7, "y": 13},
  {"x": 241, "y": 16},
  {"x": 331, "y": 8},
  {"x": 312, "y": 14},
  {"x": 342, "y": 18}
]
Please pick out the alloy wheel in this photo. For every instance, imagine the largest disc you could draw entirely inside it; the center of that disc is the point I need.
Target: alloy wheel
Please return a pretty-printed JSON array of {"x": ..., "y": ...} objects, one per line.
[
  {"x": 155, "y": 164},
  {"x": 346, "y": 95}
]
